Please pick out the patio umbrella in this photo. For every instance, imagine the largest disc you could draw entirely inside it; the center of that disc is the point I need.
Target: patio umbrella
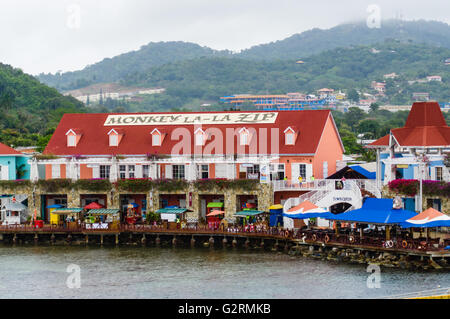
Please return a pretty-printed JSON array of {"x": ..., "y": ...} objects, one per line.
[
  {"x": 215, "y": 212},
  {"x": 428, "y": 218},
  {"x": 306, "y": 210},
  {"x": 93, "y": 205}
]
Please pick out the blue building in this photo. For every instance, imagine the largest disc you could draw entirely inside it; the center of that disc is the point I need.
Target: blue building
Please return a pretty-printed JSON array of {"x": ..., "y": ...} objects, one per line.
[{"x": 13, "y": 164}]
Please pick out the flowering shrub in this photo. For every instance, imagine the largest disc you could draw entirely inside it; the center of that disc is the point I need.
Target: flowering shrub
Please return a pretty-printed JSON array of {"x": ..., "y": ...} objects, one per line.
[
  {"x": 96, "y": 184},
  {"x": 222, "y": 183},
  {"x": 135, "y": 185},
  {"x": 410, "y": 187},
  {"x": 15, "y": 184},
  {"x": 54, "y": 185}
]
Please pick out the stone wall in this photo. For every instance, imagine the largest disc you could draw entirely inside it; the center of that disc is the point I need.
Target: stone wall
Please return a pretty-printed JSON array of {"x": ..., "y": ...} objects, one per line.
[{"x": 264, "y": 193}]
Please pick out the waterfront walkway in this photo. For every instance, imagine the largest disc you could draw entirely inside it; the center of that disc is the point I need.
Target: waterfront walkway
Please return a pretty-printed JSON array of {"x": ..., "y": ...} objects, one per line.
[{"x": 373, "y": 242}]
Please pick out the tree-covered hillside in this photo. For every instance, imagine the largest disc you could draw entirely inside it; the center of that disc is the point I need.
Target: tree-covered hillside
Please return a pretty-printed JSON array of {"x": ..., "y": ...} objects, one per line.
[
  {"x": 29, "y": 109},
  {"x": 299, "y": 46},
  {"x": 114, "y": 69},
  {"x": 206, "y": 79},
  {"x": 316, "y": 40}
]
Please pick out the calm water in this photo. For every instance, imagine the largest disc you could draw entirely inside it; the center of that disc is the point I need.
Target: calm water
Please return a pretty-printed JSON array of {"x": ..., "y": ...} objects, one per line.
[{"x": 134, "y": 272}]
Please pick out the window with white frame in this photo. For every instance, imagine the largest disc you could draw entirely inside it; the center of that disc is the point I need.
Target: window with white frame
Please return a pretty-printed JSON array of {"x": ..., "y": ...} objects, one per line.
[
  {"x": 113, "y": 139},
  {"x": 204, "y": 171},
  {"x": 199, "y": 139},
  {"x": 56, "y": 171},
  {"x": 131, "y": 170},
  {"x": 145, "y": 171},
  {"x": 302, "y": 170},
  {"x": 244, "y": 137},
  {"x": 439, "y": 174},
  {"x": 289, "y": 138},
  {"x": 105, "y": 171},
  {"x": 71, "y": 140},
  {"x": 178, "y": 172},
  {"x": 126, "y": 171},
  {"x": 156, "y": 139}
]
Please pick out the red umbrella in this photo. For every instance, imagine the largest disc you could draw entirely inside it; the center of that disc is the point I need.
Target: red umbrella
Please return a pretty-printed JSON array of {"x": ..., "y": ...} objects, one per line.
[{"x": 93, "y": 205}]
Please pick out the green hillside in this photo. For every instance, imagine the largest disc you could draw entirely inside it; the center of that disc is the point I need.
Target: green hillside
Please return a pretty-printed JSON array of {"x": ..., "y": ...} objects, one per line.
[
  {"x": 29, "y": 109},
  {"x": 206, "y": 79},
  {"x": 296, "y": 47}
]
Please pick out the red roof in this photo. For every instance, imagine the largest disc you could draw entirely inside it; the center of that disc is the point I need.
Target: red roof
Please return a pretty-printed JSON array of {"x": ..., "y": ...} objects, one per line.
[
  {"x": 137, "y": 139},
  {"x": 425, "y": 126},
  {"x": 6, "y": 150}
]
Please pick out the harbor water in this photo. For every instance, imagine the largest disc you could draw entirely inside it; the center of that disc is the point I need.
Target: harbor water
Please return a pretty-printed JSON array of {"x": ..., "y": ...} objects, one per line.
[{"x": 137, "y": 272}]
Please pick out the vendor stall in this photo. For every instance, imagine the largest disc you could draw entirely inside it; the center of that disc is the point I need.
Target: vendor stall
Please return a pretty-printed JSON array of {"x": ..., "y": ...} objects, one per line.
[
  {"x": 13, "y": 213},
  {"x": 276, "y": 215},
  {"x": 251, "y": 219},
  {"x": 133, "y": 215},
  {"x": 102, "y": 219},
  {"x": 65, "y": 216},
  {"x": 172, "y": 216},
  {"x": 214, "y": 218}
]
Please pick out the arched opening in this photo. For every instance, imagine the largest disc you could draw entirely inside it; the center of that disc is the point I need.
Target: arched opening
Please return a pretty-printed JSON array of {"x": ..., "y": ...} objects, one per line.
[{"x": 339, "y": 208}]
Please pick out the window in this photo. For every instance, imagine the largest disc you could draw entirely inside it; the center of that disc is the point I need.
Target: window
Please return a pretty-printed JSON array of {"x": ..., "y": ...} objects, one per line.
[
  {"x": 145, "y": 171},
  {"x": 113, "y": 140},
  {"x": 156, "y": 139},
  {"x": 131, "y": 169},
  {"x": 289, "y": 139},
  {"x": 439, "y": 174},
  {"x": 178, "y": 171},
  {"x": 302, "y": 170},
  {"x": 104, "y": 171},
  {"x": 122, "y": 171},
  {"x": 253, "y": 172},
  {"x": 244, "y": 138},
  {"x": 56, "y": 171},
  {"x": 126, "y": 171},
  {"x": 71, "y": 140},
  {"x": 199, "y": 139},
  {"x": 204, "y": 171}
]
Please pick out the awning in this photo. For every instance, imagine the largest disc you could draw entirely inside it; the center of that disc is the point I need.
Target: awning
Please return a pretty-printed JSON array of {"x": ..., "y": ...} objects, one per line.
[
  {"x": 67, "y": 211},
  {"x": 375, "y": 211},
  {"x": 215, "y": 205},
  {"x": 215, "y": 213},
  {"x": 306, "y": 210},
  {"x": 172, "y": 210},
  {"x": 428, "y": 218},
  {"x": 246, "y": 213},
  {"x": 14, "y": 206},
  {"x": 278, "y": 206},
  {"x": 102, "y": 211},
  {"x": 93, "y": 205},
  {"x": 54, "y": 206}
]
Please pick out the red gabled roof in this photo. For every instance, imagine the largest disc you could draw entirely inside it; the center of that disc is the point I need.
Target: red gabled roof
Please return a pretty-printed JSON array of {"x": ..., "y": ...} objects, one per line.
[
  {"x": 6, "y": 150},
  {"x": 137, "y": 139},
  {"x": 425, "y": 126}
]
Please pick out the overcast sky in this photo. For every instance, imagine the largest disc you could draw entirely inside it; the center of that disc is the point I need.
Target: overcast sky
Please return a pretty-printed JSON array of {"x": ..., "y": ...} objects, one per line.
[{"x": 51, "y": 35}]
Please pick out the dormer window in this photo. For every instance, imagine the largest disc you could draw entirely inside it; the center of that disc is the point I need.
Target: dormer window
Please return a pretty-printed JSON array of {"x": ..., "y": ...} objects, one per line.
[
  {"x": 114, "y": 137},
  {"x": 200, "y": 137},
  {"x": 72, "y": 138},
  {"x": 244, "y": 137},
  {"x": 156, "y": 137},
  {"x": 290, "y": 135}
]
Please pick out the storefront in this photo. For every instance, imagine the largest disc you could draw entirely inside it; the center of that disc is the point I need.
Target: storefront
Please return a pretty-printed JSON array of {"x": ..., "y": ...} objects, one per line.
[
  {"x": 102, "y": 219},
  {"x": 138, "y": 206},
  {"x": 67, "y": 217}
]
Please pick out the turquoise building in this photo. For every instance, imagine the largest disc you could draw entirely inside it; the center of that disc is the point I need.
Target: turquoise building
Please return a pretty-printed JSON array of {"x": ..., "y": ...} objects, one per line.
[{"x": 13, "y": 164}]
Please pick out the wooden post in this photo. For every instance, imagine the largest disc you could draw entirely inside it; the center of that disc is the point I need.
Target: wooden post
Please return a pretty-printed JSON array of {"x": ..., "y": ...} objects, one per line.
[
  {"x": 87, "y": 239},
  {"x": 388, "y": 233},
  {"x": 101, "y": 240},
  {"x": 117, "y": 239},
  {"x": 192, "y": 241}
]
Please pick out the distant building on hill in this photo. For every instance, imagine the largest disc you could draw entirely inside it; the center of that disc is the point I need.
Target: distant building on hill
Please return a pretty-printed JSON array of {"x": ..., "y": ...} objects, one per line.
[
  {"x": 432, "y": 78},
  {"x": 390, "y": 76},
  {"x": 421, "y": 96}
]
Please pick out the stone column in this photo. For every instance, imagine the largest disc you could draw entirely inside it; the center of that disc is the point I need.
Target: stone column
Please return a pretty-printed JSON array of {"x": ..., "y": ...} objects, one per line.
[{"x": 230, "y": 203}]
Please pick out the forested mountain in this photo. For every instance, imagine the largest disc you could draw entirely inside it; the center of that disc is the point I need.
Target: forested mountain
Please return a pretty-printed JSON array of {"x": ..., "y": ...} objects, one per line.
[
  {"x": 345, "y": 35},
  {"x": 114, "y": 69},
  {"x": 299, "y": 46},
  {"x": 206, "y": 79},
  {"x": 29, "y": 109}
]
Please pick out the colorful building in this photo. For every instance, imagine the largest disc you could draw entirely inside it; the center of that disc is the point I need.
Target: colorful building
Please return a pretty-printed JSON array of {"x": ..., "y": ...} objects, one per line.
[
  {"x": 416, "y": 150},
  {"x": 273, "y": 147},
  {"x": 13, "y": 164}
]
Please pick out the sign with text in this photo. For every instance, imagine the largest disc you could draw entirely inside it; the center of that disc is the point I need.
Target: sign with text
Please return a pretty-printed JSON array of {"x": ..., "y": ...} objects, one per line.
[{"x": 191, "y": 118}]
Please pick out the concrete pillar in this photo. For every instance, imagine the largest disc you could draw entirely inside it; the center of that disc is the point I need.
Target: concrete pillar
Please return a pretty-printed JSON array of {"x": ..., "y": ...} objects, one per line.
[
  {"x": 143, "y": 240},
  {"x": 157, "y": 240},
  {"x": 174, "y": 240},
  {"x": 211, "y": 240},
  {"x": 117, "y": 239},
  {"x": 230, "y": 203},
  {"x": 234, "y": 242},
  {"x": 52, "y": 238},
  {"x": 87, "y": 239},
  {"x": 247, "y": 243},
  {"x": 101, "y": 240},
  {"x": 224, "y": 242},
  {"x": 36, "y": 238},
  {"x": 192, "y": 242}
]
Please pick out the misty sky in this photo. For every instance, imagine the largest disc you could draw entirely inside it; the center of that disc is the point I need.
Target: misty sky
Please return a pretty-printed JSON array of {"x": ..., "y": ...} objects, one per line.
[{"x": 50, "y": 35}]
